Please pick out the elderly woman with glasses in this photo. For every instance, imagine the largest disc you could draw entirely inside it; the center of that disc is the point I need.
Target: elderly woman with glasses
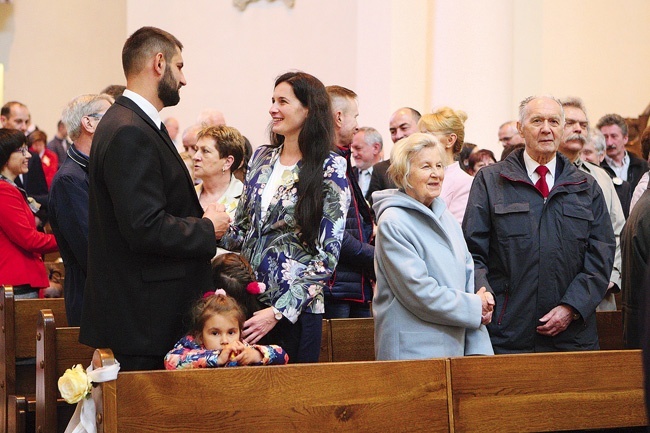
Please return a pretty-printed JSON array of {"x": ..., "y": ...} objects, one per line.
[
  {"x": 424, "y": 305},
  {"x": 21, "y": 244}
]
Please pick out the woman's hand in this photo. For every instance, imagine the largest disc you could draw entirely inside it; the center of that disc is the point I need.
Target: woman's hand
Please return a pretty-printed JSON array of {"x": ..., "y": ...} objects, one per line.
[
  {"x": 259, "y": 325},
  {"x": 487, "y": 305}
]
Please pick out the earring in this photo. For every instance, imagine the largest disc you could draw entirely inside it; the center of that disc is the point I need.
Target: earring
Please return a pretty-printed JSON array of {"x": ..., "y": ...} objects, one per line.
[{"x": 223, "y": 170}]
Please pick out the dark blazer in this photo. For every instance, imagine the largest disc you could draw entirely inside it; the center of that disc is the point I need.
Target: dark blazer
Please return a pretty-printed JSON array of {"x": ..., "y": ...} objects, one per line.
[
  {"x": 379, "y": 179},
  {"x": 149, "y": 250},
  {"x": 56, "y": 146},
  {"x": 35, "y": 185},
  {"x": 635, "y": 253}
]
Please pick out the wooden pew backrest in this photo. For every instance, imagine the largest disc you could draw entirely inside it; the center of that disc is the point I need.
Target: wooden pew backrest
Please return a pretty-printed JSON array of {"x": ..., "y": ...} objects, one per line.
[
  {"x": 610, "y": 330},
  {"x": 326, "y": 343},
  {"x": 17, "y": 340},
  {"x": 547, "y": 392},
  {"x": 322, "y": 397},
  {"x": 57, "y": 349},
  {"x": 353, "y": 339}
]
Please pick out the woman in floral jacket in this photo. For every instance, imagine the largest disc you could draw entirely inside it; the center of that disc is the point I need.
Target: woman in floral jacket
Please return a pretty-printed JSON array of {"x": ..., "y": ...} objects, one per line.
[{"x": 290, "y": 219}]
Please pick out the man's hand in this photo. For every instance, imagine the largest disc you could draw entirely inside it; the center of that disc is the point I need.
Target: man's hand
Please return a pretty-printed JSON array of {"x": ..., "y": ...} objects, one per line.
[
  {"x": 220, "y": 219},
  {"x": 556, "y": 320}
]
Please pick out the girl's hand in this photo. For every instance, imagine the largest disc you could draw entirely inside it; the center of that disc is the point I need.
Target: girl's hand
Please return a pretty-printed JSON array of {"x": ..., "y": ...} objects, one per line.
[
  {"x": 248, "y": 356},
  {"x": 230, "y": 352},
  {"x": 259, "y": 325},
  {"x": 224, "y": 356}
]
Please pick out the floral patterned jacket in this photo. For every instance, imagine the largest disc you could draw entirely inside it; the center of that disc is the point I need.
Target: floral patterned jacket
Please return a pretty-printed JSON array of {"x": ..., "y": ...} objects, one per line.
[
  {"x": 187, "y": 353},
  {"x": 294, "y": 277}
]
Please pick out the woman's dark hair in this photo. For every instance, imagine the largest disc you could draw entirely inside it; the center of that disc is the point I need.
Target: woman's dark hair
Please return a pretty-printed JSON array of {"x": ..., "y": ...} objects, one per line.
[
  {"x": 10, "y": 141},
  {"x": 480, "y": 155},
  {"x": 316, "y": 140},
  {"x": 509, "y": 149},
  {"x": 232, "y": 273},
  {"x": 465, "y": 152}
]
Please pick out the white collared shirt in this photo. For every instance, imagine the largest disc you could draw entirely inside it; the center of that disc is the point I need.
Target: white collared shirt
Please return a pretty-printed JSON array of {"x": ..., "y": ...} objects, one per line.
[
  {"x": 145, "y": 106},
  {"x": 531, "y": 165},
  {"x": 364, "y": 180},
  {"x": 620, "y": 170}
]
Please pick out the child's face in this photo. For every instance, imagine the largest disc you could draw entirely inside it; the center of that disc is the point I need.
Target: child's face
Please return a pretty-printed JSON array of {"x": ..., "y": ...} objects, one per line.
[{"x": 219, "y": 331}]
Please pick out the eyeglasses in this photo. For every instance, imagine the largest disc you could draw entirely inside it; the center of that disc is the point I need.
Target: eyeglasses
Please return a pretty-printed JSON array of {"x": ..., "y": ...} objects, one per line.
[
  {"x": 96, "y": 116},
  {"x": 23, "y": 149}
]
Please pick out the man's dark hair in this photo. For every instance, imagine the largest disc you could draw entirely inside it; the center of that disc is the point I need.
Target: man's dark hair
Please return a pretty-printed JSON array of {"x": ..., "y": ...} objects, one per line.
[
  {"x": 613, "y": 119},
  {"x": 144, "y": 43},
  {"x": 6, "y": 109}
]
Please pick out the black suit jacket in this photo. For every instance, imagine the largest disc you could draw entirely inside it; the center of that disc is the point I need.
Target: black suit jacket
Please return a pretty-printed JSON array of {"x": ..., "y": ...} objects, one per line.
[
  {"x": 379, "y": 180},
  {"x": 149, "y": 250},
  {"x": 35, "y": 185}
]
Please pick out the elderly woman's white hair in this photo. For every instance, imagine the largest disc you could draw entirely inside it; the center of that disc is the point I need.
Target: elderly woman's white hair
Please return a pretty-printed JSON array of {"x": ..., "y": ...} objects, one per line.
[{"x": 403, "y": 153}]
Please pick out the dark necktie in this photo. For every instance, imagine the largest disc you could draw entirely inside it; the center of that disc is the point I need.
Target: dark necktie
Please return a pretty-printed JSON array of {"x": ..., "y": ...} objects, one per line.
[{"x": 541, "y": 184}]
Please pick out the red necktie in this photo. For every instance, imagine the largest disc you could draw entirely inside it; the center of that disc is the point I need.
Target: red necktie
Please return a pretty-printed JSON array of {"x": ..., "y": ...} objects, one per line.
[{"x": 541, "y": 184}]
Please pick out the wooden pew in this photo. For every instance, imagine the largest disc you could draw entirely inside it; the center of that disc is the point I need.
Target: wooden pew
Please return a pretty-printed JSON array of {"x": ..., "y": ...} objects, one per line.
[
  {"x": 353, "y": 339},
  {"x": 547, "y": 392},
  {"x": 405, "y": 396},
  {"x": 326, "y": 343},
  {"x": 18, "y": 318},
  {"x": 57, "y": 349},
  {"x": 610, "y": 330}
]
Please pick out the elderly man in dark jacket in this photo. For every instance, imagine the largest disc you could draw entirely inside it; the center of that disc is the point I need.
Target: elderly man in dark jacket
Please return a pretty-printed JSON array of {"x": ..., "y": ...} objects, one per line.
[{"x": 541, "y": 239}]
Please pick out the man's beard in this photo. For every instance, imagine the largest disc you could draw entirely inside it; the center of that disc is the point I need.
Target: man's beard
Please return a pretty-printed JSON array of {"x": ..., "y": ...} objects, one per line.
[{"x": 168, "y": 89}]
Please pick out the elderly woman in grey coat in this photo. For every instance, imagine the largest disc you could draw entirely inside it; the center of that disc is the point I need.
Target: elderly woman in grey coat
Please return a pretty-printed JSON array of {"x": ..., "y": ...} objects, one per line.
[{"x": 425, "y": 305}]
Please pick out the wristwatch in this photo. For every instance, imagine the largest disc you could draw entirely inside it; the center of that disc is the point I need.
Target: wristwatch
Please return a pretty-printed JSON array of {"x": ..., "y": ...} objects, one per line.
[{"x": 277, "y": 314}]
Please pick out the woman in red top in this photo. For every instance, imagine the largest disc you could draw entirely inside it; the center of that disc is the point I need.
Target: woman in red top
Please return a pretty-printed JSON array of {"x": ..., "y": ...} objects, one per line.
[
  {"x": 50, "y": 162},
  {"x": 21, "y": 244}
]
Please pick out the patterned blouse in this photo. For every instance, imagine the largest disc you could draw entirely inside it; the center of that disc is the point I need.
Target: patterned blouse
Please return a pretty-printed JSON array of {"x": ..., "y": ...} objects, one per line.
[
  {"x": 294, "y": 277},
  {"x": 187, "y": 353}
]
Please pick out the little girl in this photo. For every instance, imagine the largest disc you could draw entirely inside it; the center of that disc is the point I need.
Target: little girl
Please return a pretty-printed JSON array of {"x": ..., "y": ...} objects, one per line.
[
  {"x": 235, "y": 275},
  {"x": 215, "y": 338}
]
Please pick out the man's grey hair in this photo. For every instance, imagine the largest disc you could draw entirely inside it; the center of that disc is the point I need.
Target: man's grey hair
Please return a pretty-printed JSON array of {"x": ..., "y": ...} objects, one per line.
[
  {"x": 372, "y": 136},
  {"x": 597, "y": 139},
  {"x": 575, "y": 102},
  {"x": 524, "y": 104},
  {"x": 81, "y": 106}
]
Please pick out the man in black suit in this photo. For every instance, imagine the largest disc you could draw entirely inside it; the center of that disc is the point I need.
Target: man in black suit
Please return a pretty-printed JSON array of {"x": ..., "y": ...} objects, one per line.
[
  {"x": 402, "y": 123},
  {"x": 149, "y": 241},
  {"x": 16, "y": 115}
]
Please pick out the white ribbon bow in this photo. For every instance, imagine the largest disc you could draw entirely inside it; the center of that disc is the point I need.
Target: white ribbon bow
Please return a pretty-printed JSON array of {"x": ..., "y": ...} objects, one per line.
[{"x": 83, "y": 420}]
